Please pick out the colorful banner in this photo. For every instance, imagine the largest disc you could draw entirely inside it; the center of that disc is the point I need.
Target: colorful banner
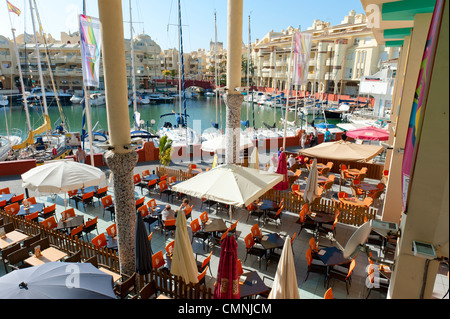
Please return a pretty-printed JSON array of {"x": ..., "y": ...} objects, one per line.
[
  {"x": 12, "y": 8},
  {"x": 302, "y": 51},
  {"x": 419, "y": 103},
  {"x": 90, "y": 50}
]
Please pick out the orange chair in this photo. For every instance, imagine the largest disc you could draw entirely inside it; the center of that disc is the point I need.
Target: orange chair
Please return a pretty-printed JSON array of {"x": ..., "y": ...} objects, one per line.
[
  {"x": 252, "y": 250},
  {"x": 72, "y": 195},
  {"x": 240, "y": 270},
  {"x": 328, "y": 294},
  {"x": 205, "y": 263},
  {"x": 12, "y": 209},
  {"x": 339, "y": 275},
  {"x": 90, "y": 226},
  {"x": 305, "y": 222},
  {"x": 145, "y": 173},
  {"x": 164, "y": 177},
  {"x": 172, "y": 179},
  {"x": 85, "y": 199},
  {"x": 2, "y": 204},
  {"x": 49, "y": 223},
  {"x": 168, "y": 225},
  {"x": 253, "y": 210},
  {"x": 151, "y": 203},
  {"x": 150, "y": 237},
  {"x": 108, "y": 205},
  {"x": 256, "y": 232},
  {"x": 111, "y": 230},
  {"x": 201, "y": 277},
  {"x": 150, "y": 185},
  {"x": 316, "y": 267},
  {"x": 204, "y": 217},
  {"x": 342, "y": 195},
  {"x": 99, "y": 241},
  {"x": 32, "y": 200},
  {"x": 4, "y": 191},
  {"x": 100, "y": 193},
  {"x": 232, "y": 228},
  {"x": 140, "y": 202},
  {"x": 169, "y": 249},
  {"x": 164, "y": 189},
  {"x": 49, "y": 211},
  {"x": 76, "y": 231},
  {"x": 197, "y": 232},
  {"x": 33, "y": 216},
  {"x": 192, "y": 166},
  {"x": 17, "y": 199},
  {"x": 158, "y": 260},
  {"x": 68, "y": 213},
  {"x": 368, "y": 201},
  {"x": 188, "y": 211},
  {"x": 144, "y": 210}
]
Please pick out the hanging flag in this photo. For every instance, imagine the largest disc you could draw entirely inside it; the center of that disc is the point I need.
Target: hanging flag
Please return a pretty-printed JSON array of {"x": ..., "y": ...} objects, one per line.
[
  {"x": 302, "y": 51},
  {"x": 12, "y": 8},
  {"x": 420, "y": 102},
  {"x": 90, "y": 50}
]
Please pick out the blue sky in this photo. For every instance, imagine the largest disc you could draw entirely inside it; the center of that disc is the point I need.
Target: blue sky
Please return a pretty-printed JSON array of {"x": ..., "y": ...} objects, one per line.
[{"x": 158, "y": 17}]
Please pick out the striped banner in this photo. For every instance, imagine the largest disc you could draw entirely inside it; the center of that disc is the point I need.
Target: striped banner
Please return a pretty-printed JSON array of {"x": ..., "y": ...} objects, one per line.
[
  {"x": 302, "y": 51},
  {"x": 90, "y": 50}
]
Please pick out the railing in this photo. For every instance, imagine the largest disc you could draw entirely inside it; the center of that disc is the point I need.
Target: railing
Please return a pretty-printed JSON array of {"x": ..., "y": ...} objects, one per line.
[
  {"x": 349, "y": 214},
  {"x": 166, "y": 283},
  {"x": 178, "y": 173}
]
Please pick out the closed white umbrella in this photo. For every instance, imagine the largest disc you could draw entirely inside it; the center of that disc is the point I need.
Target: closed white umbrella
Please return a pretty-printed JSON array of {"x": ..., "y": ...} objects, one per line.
[
  {"x": 217, "y": 144},
  {"x": 230, "y": 184},
  {"x": 62, "y": 176},
  {"x": 254, "y": 159},
  {"x": 311, "y": 189},
  {"x": 285, "y": 282},
  {"x": 183, "y": 261}
]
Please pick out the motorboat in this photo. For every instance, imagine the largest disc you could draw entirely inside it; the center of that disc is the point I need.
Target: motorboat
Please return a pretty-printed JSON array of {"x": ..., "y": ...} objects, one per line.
[
  {"x": 35, "y": 96},
  {"x": 3, "y": 100},
  {"x": 97, "y": 99},
  {"x": 75, "y": 99},
  {"x": 6, "y": 143},
  {"x": 337, "y": 113},
  {"x": 179, "y": 133}
]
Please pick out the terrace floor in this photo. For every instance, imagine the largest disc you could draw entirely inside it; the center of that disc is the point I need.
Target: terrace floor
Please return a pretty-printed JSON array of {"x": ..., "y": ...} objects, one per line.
[{"x": 312, "y": 288}]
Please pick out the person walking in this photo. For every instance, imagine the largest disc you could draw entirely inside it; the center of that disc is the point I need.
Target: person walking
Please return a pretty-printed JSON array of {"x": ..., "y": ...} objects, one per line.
[
  {"x": 80, "y": 155},
  {"x": 303, "y": 139}
]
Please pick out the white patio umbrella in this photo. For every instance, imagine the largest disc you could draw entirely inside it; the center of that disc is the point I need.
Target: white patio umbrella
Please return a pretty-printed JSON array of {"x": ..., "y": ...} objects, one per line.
[
  {"x": 217, "y": 144},
  {"x": 230, "y": 184},
  {"x": 311, "y": 190},
  {"x": 285, "y": 282},
  {"x": 183, "y": 261},
  {"x": 62, "y": 176}
]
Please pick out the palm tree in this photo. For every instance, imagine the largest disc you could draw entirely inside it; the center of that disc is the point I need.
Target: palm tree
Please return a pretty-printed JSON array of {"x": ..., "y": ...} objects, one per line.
[{"x": 165, "y": 150}]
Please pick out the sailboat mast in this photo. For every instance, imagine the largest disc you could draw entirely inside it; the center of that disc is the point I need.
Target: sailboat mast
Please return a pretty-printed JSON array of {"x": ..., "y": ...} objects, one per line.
[
  {"x": 38, "y": 56},
  {"x": 25, "y": 101},
  {"x": 215, "y": 63},
  {"x": 133, "y": 79},
  {"x": 182, "y": 70},
  {"x": 288, "y": 90},
  {"x": 248, "y": 64}
]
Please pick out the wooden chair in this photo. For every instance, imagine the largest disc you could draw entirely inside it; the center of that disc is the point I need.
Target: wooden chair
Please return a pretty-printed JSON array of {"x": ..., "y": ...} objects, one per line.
[
  {"x": 9, "y": 227},
  {"x": 74, "y": 258},
  {"x": 327, "y": 187},
  {"x": 252, "y": 250},
  {"x": 16, "y": 259},
  {"x": 44, "y": 243},
  {"x": 125, "y": 288},
  {"x": 368, "y": 201},
  {"x": 30, "y": 241},
  {"x": 334, "y": 273},
  {"x": 149, "y": 291},
  {"x": 5, "y": 253}
]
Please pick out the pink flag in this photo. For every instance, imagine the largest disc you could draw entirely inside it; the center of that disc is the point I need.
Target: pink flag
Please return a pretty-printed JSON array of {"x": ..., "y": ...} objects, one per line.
[{"x": 302, "y": 51}]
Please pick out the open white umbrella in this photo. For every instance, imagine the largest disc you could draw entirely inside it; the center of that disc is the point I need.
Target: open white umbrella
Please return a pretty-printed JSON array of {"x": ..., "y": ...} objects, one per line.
[
  {"x": 230, "y": 184},
  {"x": 343, "y": 151},
  {"x": 217, "y": 144},
  {"x": 62, "y": 176},
  {"x": 183, "y": 261},
  {"x": 311, "y": 189},
  {"x": 285, "y": 282}
]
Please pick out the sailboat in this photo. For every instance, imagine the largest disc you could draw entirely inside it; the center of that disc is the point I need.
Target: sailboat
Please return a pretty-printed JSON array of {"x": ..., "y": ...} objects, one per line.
[{"x": 180, "y": 133}]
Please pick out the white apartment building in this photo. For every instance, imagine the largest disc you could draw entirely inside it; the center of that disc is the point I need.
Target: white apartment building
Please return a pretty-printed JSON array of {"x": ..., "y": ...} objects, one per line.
[{"x": 340, "y": 56}]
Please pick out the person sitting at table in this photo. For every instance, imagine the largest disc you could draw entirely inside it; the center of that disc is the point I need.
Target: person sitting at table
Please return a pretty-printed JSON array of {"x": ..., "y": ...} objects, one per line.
[
  {"x": 167, "y": 213},
  {"x": 183, "y": 207},
  {"x": 291, "y": 161},
  {"x": 300, "y": 159}
]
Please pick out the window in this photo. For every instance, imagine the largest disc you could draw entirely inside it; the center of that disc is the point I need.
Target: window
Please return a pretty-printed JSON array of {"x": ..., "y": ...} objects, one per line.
[{"x": 356, "y": 41}]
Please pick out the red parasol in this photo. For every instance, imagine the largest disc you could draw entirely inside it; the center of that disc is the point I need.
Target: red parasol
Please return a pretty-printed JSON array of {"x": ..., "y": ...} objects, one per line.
[
  {"x": 227, "y": 286},
  {"x": 282, "y": 169},
  {"x": 370, "y": 133}
]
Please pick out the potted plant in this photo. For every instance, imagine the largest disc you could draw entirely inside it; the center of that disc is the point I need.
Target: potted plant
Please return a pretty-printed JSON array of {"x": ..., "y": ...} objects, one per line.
[{"x": 165, "y": 150}]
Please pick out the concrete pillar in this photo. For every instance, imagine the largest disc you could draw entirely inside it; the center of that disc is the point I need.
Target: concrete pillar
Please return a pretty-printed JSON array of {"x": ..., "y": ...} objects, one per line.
[
  {"x": 121, "y": 159},
  {"x": 233, "y": 99},
  {"x": 392, "y": 209},
  {"x": 427, "y": 217}
]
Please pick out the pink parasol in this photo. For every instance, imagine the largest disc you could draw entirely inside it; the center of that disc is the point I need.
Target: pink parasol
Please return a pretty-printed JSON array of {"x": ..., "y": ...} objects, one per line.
[
  {"x": 227, "y": 286},
  {"x": 370, "y": 133},
  {"x": 282, "y": 169}
]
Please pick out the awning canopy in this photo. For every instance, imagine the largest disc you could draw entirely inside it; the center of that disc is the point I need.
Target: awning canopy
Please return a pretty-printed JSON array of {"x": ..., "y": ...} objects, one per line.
[{"x": 343, "y": 151}]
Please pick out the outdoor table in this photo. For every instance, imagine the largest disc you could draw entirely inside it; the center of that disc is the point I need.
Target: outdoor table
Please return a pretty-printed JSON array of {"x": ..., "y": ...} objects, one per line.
[
  {"x": 215, "y": 225},
  {"x": 250, "y": 284},
  {"x": 151, "y": 177},
  {"x": 87, "y": 190},
  {"x": 155, "y": 214},
  {"x": 70, "y": 223},
  {"x": 352, "y": 201},
  {"x": 321, "y": 166},
  {"x": 116, "y": 276},
  {"x": 319, "y": 218},
  {"x": 6, "y": 197},
  {"x": 210, "y": 203},
  {"x": 353, "y": 171},
  {"x": 271, "y": 241},
  {"x": 332, "y": 256},
  {"x": 163, "y": 297},
  {"x": 12, "y": 238},
  {"x": 47, "y": 255},
  {"x": 31, "y": 209},
  {"x": 322, "y": 179},
  {"x": 366, "y": 187}
]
